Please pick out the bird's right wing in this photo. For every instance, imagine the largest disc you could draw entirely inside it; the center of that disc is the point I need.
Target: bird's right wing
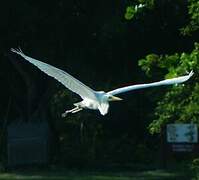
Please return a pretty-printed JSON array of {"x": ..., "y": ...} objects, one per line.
[
  {"x": 63, "y": 77},
  {"x": 177, "y": 80}
]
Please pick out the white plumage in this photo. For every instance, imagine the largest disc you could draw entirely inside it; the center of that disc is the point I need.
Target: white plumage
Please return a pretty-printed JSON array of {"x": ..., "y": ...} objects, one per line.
[{"x": 96, "y": 100}]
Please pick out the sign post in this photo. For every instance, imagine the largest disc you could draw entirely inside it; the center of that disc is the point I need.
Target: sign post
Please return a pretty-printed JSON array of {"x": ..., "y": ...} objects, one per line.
[
  {"x": 178, "y": 141},
  {"x": 182, "y": 137}
]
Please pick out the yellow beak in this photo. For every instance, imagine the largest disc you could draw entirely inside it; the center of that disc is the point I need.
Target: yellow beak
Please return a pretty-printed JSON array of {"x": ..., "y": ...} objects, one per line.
[{"x": 114, "y": 98}]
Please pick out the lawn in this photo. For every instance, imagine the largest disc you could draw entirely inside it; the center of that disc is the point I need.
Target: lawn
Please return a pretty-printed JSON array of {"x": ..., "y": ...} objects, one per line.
[{"x": 93, "y": 175}]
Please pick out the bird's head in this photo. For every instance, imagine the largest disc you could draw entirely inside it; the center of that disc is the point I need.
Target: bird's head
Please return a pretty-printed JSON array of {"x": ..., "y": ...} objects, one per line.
[
  {"x": 114, "y": 98},
  {"x": 107, "y": 97}
]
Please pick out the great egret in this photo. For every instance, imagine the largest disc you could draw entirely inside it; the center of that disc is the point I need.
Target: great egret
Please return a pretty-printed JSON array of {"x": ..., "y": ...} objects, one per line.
[{"x": 95, "y": 100}]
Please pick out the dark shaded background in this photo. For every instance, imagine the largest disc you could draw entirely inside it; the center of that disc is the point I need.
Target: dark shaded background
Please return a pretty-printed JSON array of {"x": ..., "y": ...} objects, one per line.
[{"x": 92, "y": 41}]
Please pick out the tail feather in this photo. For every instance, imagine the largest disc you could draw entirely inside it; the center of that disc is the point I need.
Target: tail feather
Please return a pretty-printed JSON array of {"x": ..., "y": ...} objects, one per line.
[{"x": 103, "y": 108}]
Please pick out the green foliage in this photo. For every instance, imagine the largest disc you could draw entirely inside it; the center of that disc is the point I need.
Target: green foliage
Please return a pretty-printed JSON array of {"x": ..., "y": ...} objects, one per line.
[
  {"x": 194, "y": 166},
  {"x": 133, "y": 10},
  {"x": 149, "y": 63},
  {"x": 181, "y": 102},
  {"x": 130, "y": 12},
  {"x": 193, "y": 25},
  {"x": 91, "y": 174}
]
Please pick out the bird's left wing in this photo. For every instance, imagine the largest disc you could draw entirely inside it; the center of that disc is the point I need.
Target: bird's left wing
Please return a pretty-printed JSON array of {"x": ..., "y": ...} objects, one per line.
[
  {"x": 63, "y": 77},
  {"x": 177, "y": 80}
]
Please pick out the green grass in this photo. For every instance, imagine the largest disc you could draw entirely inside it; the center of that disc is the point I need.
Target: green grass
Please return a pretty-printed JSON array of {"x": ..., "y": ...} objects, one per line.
[{"x": 92, "y": 175}]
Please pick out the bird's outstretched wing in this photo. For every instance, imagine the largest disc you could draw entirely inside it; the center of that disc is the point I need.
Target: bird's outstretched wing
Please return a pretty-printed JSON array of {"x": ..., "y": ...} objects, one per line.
[
  {"x": 63, "y": 77},
  {"x": 177, "y": 80}
]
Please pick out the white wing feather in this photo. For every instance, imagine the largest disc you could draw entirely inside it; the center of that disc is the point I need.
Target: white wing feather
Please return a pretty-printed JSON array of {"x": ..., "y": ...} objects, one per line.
[
  {"x": 177, "y": 80},
  {"x": 66, "y": 79}
]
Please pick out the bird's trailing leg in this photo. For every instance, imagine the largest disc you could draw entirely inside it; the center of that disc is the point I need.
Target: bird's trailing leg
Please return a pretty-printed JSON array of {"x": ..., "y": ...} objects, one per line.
[
  {"x": 77, "y": 110},
  {"x": 74, "y": 110}
]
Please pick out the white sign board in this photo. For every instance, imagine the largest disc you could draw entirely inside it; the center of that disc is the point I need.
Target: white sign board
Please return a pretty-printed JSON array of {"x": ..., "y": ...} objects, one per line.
[{"x": 182, "y": 133}]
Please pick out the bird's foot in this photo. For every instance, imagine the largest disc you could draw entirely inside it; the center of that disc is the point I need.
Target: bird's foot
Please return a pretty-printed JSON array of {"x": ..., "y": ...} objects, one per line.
[{"x": 63, "y": 115}]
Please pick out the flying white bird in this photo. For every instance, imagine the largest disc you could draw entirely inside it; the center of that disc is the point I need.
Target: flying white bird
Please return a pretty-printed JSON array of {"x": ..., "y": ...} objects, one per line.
[{"x": 96, "y": 100}]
